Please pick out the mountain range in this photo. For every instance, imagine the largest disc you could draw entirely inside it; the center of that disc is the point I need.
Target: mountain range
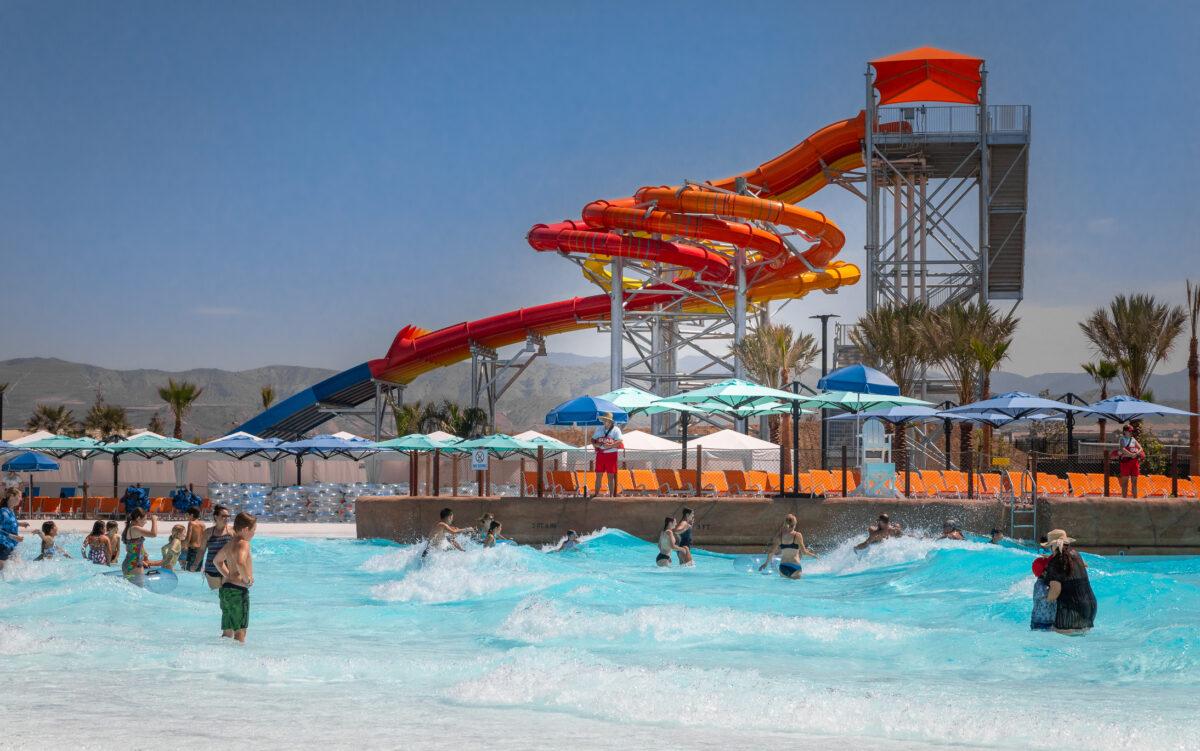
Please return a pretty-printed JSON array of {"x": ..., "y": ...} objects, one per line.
[{"x": 231, "y": 397}]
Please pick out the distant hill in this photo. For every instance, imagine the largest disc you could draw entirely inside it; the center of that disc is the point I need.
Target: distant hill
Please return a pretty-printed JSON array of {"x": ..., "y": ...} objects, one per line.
[{"x": 231, "y": 397}]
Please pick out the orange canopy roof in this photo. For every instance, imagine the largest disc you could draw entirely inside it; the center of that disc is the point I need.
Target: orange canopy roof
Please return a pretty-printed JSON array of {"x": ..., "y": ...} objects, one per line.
[{"x": 927, "y": 74}]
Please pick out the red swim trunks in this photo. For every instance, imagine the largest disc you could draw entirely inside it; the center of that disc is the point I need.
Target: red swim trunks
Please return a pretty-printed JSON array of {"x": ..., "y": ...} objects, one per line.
[
  {"x": 606, "y": 462},
  {"x": 1130, "y": 468}
]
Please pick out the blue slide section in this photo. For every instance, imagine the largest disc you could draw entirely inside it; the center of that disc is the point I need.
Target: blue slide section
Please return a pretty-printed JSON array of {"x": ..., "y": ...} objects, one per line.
[{"x": 296, "y": 415}]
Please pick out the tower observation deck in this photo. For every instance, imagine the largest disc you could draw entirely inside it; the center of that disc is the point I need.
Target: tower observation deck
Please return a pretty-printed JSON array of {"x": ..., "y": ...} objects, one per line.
[{"x": 946, "y": 185}]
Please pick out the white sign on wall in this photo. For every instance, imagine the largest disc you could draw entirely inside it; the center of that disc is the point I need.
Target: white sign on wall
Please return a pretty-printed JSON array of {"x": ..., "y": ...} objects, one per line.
[{"x": 479, "y": 460}]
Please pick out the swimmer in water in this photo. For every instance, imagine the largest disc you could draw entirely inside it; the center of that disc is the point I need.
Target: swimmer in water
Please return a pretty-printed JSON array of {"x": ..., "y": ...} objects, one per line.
[
  {"x": 442, "y": 534},
  {"x": 997, "y": 537},
  {"x": 666, "y": 543},
  {"x": 683, "y": 536},
  {"x": 570, "y": 542},
  {"x": 880, "y": 531},
  {"x": 485, "y": 523},
  {"x": 950, "y": 530},
  {"x": 50, "y": 549},
  {"x": 493, "y": 534},
  {"x": 789, "y": 543}
]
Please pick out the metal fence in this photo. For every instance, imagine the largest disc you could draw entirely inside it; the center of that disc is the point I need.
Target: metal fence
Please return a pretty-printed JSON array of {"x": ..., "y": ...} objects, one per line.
[{"x": 946, "y": 120}]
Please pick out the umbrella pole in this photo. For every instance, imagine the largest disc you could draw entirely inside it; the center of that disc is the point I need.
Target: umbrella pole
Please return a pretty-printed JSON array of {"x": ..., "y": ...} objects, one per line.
[
  {"x": 454, "y": 473},
  {"x": 299, "y": 462},
  {"x": 116, "y": 468},
  {"x": 29, "y": 499},
  {"x": 437, "y": 472},
  {"x": 683, "y": 424}
]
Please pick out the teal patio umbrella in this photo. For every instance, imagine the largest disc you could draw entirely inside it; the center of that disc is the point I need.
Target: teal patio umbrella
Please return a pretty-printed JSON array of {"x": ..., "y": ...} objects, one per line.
[
  {"x": 81, "y": 449},
  {"x": 148, "y": 445}
]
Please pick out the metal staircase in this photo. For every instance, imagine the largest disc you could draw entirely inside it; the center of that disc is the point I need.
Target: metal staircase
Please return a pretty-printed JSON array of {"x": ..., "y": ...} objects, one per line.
[{"x": 1022, "y": 518}]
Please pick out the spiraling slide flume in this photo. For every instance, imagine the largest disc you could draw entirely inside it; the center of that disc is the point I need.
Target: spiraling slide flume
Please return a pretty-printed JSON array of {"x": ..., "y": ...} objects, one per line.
[{"x": 701, "y": 221}]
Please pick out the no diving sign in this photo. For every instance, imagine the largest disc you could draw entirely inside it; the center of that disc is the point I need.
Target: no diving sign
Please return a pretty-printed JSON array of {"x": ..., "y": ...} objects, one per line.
[{"x": 479, "y": 460}]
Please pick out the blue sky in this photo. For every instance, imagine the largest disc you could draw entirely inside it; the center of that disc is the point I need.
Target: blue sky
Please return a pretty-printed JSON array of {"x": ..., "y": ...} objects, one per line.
[{"x": 235, "y": 185}]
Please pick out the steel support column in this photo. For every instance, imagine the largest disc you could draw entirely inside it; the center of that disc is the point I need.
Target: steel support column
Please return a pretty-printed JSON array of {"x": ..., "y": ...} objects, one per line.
[{"x": 617, "y": 322}]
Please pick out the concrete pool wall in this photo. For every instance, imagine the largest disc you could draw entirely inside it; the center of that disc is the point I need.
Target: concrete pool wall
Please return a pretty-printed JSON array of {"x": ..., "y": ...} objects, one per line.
[{"x": 1102, "y": 525}]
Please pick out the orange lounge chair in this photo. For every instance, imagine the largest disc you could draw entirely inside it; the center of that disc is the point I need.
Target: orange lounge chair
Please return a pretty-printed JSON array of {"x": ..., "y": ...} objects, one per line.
[
  {"x": 1157, "y": 486},
  {"x": 740, "y": 484},
  {"x": 1052, "y": 485},
  {"x": 757, "y": 481},
  {"x": 562, "y": 482},
  {"x": 1080, "y": 485},
  {"x": 989, "y": 482},
  {"x": 646, "y": 481},
  {"x": 1187, "y": 488},
  {"x": 714, "y": 481},
  {"x": 677, "y": 482},
  {"x": 626, "y": 485},
  {"x": 909, "y": 484},
  {"x": 935, "y": 483}
]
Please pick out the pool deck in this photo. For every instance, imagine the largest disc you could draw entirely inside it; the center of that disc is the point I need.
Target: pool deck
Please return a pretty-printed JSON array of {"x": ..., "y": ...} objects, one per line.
[{"x": 1102, "y": 525}]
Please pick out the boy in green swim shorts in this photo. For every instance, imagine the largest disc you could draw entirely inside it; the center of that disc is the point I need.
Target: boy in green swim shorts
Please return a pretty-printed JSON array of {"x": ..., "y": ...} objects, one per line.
[{"x": 237, "y": 576}]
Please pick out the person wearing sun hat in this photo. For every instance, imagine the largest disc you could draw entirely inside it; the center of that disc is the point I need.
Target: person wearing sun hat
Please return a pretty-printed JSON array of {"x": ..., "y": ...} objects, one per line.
[
  {"x": 1069, "y": 587},
  {"x": 607, "y": 442}
]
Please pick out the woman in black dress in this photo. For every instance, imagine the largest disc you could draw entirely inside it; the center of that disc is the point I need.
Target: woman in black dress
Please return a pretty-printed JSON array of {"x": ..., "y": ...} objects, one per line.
[{"x": 1067, "y": 576}]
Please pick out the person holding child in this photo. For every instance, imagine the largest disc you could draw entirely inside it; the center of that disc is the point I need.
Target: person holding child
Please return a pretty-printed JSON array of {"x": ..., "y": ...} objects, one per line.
[{"x": 607, "y": 441}]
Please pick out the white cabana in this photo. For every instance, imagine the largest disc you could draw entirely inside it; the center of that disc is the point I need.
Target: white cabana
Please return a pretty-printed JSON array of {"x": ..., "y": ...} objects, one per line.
[
  {"x": 729, "y": 449},
  {"x": 40, "y": 435}
]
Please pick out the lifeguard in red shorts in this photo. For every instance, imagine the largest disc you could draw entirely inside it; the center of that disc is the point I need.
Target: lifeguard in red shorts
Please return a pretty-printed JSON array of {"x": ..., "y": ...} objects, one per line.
[
  {"x": 1130, "y": 454},
  {"x": 607, "y": 442}
]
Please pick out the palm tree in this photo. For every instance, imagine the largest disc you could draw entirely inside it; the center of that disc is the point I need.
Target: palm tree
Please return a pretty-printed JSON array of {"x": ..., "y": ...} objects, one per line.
[
  {"x": 56, "y": 419},
  {"x": 890, "y": 338},
  {"x": 1103, "y": 372},
  {"x": 773, "y": 355},
  {"x": 179, "y": 398},
  {"x": 1136, "y": 333},
  {"x": 991, "y": 349},
  {"x": 956, "y": 335},
  {"x": 105, "y": 420},
  {"x": 467, "y": 422},
  {"x": 1193, "y": 367},
  {"x": 268, "y": 396}
]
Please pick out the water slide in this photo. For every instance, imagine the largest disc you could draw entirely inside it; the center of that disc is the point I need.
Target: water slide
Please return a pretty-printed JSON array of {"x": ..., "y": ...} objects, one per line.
[{"x": 701, "y": 219}]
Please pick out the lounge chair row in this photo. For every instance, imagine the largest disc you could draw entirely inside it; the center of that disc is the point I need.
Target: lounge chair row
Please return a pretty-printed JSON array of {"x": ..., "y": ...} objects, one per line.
[
  {"x": 684, "y": 482},
  {"x": 97, "y": 507}
]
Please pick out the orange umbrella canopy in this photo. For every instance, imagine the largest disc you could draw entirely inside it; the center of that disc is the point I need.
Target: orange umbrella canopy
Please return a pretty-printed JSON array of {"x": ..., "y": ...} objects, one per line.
[{"x": 927, "y": 74}]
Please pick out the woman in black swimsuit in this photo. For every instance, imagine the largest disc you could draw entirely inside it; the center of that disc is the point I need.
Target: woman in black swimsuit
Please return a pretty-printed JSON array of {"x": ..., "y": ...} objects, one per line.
[
  {"x": 666, "y": 543},
  {"x": 790, "y": 544},
  {"x": 683, "y": 536},
  {"x": 1069, "y": 587}
]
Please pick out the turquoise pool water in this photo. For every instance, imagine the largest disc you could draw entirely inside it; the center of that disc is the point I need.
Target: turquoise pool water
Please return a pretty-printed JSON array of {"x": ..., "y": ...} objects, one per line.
[{"x": 357, "y": 645}]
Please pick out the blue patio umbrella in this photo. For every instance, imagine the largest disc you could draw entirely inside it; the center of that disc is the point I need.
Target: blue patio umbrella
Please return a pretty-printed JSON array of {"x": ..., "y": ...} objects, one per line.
[
  {"x": 1123, "y": 408},
  {"x": 326, "y": 446},
  {"x": 585, "y": 410},
  {"x": 244, "y": 445},
  {"x": 30, "y": 462},
  {"x": 900, "y": 414},
  {"x": 995, "y": 419},
  {"x": 1018, "y": 404},
  {"x": 859, "y": 378}
]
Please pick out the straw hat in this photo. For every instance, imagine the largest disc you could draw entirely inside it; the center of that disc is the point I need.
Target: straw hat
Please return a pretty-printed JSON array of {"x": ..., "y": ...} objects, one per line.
[
  {"x": 1056, "y": 538},
  {"x": 606, "y": 416}
]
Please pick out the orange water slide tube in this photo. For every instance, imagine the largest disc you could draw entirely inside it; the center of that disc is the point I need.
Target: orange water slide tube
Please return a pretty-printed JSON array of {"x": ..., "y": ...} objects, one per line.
[{"x": 692, "y": 212}]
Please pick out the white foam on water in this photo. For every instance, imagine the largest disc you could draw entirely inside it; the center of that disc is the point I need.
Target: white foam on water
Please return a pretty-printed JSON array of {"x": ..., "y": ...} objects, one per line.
[
  {"x": 454, "y": 576},
  {"x": 912, "y": 547},
  {"x": 573, "y": 682},
  {"x": 537, "y": 620}
]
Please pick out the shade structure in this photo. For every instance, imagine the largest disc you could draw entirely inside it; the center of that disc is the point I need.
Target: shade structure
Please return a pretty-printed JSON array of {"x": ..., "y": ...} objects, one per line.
[
  {"x": 327, "y": 446},
  {"x": 640, "y": 440},
  {"x": 860, "y": 379},
  {"x": 39, "y": 435},
  {"x": 1018, "y": 404},
  {"x": 443, "y": 436},
  {"x": 549, "y": 444},
  {"x": 854, "y": 401},
  {"x": 928, "y": 74},
  {"x": 633, "y": 400},
  {"x": 996, "y": 419},
  {"x": 30, "y": 461},
  {"x": 755, "y": 410},
  {"x": 733, "y": 393},
  {"x": 61, "y": 446},
  {"x": 730, "y": 440},
  {"x": 900, "y": 414},
  {"x": 241, "y": 445},
  {"x": 413, "y": 442},
  {"x": 151, "y": 446},
  {"x": 1124, "y": 408},
  {"x": 585, "y": 410},
  {"x": 6, "y": 447},
  {"x": 498, "y": 445}
]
